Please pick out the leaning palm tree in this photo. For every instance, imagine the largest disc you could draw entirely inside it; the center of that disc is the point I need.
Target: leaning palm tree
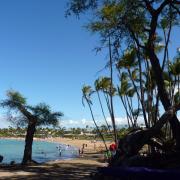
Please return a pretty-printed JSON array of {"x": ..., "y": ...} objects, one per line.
[
  {"x": 98, "y": 87},
  {"x": 33, "y": 116},
  {"x": 109, "y": 91},
  {"x": 87, "y": 92}
]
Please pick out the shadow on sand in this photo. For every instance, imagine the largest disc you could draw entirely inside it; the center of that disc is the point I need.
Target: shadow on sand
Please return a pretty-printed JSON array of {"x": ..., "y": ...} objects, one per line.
[{"x": 48, "y": 171}]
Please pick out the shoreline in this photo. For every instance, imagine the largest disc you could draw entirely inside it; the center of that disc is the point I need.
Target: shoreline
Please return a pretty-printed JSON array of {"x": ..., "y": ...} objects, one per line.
[
  {"x": 83, "y": 166},
  {"x": 89, "y": 145}
]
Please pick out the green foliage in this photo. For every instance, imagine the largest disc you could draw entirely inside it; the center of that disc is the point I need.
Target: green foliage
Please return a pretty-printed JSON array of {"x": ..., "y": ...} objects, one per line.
[
  {"x": 177, "y": 97},
  {"x": 175, "y": 67},
  {"x": 136, "y": 32},
  {"x": 79, "y": 6},
  {"x": 42, "y": 113},
  {"x": 14, "y": 99},
  {"x": 128, "y": 60},
  {"x": 122, "y": 132},
  {"x": 45, "y": 116},
  {"x": 87, "y": 91}
]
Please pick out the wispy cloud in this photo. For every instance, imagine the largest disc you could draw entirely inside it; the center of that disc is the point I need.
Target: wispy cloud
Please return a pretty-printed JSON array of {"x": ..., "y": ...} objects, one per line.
[
  {"x": 84, "y": 122},
  {"x": 76, "y": 123},
  {"x": 120, "y": 121},
  {"x": 3, "y": 122}
]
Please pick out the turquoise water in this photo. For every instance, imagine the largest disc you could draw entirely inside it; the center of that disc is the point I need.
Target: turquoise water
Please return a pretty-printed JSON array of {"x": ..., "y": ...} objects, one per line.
[{"x": 12, "y": 150}]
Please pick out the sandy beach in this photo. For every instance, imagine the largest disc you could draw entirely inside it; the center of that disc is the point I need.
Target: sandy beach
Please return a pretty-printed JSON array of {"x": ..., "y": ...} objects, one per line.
[
  {"x": 92, "y": 146},
  {"x": 78, "y": 168}
]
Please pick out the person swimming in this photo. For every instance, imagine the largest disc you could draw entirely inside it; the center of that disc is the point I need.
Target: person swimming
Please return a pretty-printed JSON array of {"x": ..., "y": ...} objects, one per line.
[{"x": 60, "y": 152}]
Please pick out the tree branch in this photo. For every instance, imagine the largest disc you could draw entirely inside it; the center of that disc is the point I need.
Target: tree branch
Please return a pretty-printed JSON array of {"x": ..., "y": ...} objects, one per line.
[
  {"x": 149, "y": 7},
  {"x": 178, "y": 11},
  {"x": 176, "y": 2},
  {"x": 166, "y": 2}
]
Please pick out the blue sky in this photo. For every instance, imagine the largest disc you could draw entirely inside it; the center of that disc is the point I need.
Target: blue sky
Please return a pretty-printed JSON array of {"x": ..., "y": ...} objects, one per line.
[{"x": 48, "y": 57}]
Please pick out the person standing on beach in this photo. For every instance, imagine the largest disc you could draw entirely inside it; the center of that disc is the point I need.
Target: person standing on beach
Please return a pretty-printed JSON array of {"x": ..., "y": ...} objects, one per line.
[
  {"x": 113, "y": 148},
  {"x": 94, "y": 144}
]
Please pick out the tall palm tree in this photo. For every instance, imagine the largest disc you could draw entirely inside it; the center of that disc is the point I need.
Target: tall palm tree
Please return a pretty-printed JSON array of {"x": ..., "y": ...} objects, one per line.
[
  {"x": 127, "y": 62},
  {"x": 112, "y": 89},
  {"x": 87, "y": 92},
  {"x": 33, "y": 116},
  {"x": 109, "y": 91},
  {"x": 98, "y": 87}
]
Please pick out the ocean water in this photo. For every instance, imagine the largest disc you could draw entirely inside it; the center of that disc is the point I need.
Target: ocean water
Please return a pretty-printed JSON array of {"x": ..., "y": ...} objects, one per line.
[{"x": 12, "y": 150}]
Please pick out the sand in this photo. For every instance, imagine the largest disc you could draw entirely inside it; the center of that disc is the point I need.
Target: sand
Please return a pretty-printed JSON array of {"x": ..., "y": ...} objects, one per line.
[
  {"x": 92, "y": 146},
  {"x": 79, "y": 168}
]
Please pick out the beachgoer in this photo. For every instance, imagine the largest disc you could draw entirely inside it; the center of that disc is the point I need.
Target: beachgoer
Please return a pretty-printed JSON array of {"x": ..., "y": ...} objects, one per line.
[
  {"x": 94, "y": 144},
  {"x": 60, "y": 151},
  {"x": 82, "y": 151},
  {"x": 59, "y": 147},
  {"x": 113, "y": 148},
  {"x": 107, "y": 156}
]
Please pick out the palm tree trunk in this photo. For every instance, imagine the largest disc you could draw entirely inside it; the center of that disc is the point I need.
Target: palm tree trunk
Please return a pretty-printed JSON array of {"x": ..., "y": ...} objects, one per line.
[
  {"x": 103, "y": 111},
  {"x": 125, "y": 107},
  {"x": 141, "y": 87},
  {"x": 96, "y": 125},
  {"x": 28, "y": 143},
  {"x": 111, "y": 95},
  {"x": 130, "y": 111},
  {"x": 140, "y": 98}
]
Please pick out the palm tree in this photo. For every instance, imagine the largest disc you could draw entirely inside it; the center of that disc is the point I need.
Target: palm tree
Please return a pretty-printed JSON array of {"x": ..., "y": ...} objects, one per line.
[
  {"x": 33, "y": 116},
  {"x": 112, "y": 89},
  {"x": 128, "y": 61},
  {"x": 103, "y": 128},
  {"x": 122, "y": 91},
  {"x": 98, "y": 87},
  {"x": 87, "y": 92},
  {"x": 175, "y": 72},
  {"x": 109, "y": 91}
]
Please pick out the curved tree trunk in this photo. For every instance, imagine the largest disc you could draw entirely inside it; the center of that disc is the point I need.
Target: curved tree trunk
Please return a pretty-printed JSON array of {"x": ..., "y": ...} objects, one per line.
[
  {"x": 102, "y": 137},
  {"x": 28, "y": 143},
  {"x": 162, "y": 92},
  {"x": 137, "y": 139}
]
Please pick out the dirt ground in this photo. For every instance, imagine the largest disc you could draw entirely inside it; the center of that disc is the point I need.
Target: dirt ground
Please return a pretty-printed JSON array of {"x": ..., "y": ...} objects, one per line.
[{"x": 80, "y": 168}]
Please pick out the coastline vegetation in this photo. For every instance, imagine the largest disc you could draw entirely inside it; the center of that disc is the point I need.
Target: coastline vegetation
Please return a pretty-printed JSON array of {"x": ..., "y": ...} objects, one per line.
[
  {"x": 136, "y": 36},
  {"x": 72, "y": 133},
  {"x": 142, "y": 75},
  {"x": 22, "y": 114}
]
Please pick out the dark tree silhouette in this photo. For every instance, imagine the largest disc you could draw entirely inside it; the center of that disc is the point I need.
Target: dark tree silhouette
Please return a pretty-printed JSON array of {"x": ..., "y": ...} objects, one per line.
[{"x": 33, "y": 116}]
